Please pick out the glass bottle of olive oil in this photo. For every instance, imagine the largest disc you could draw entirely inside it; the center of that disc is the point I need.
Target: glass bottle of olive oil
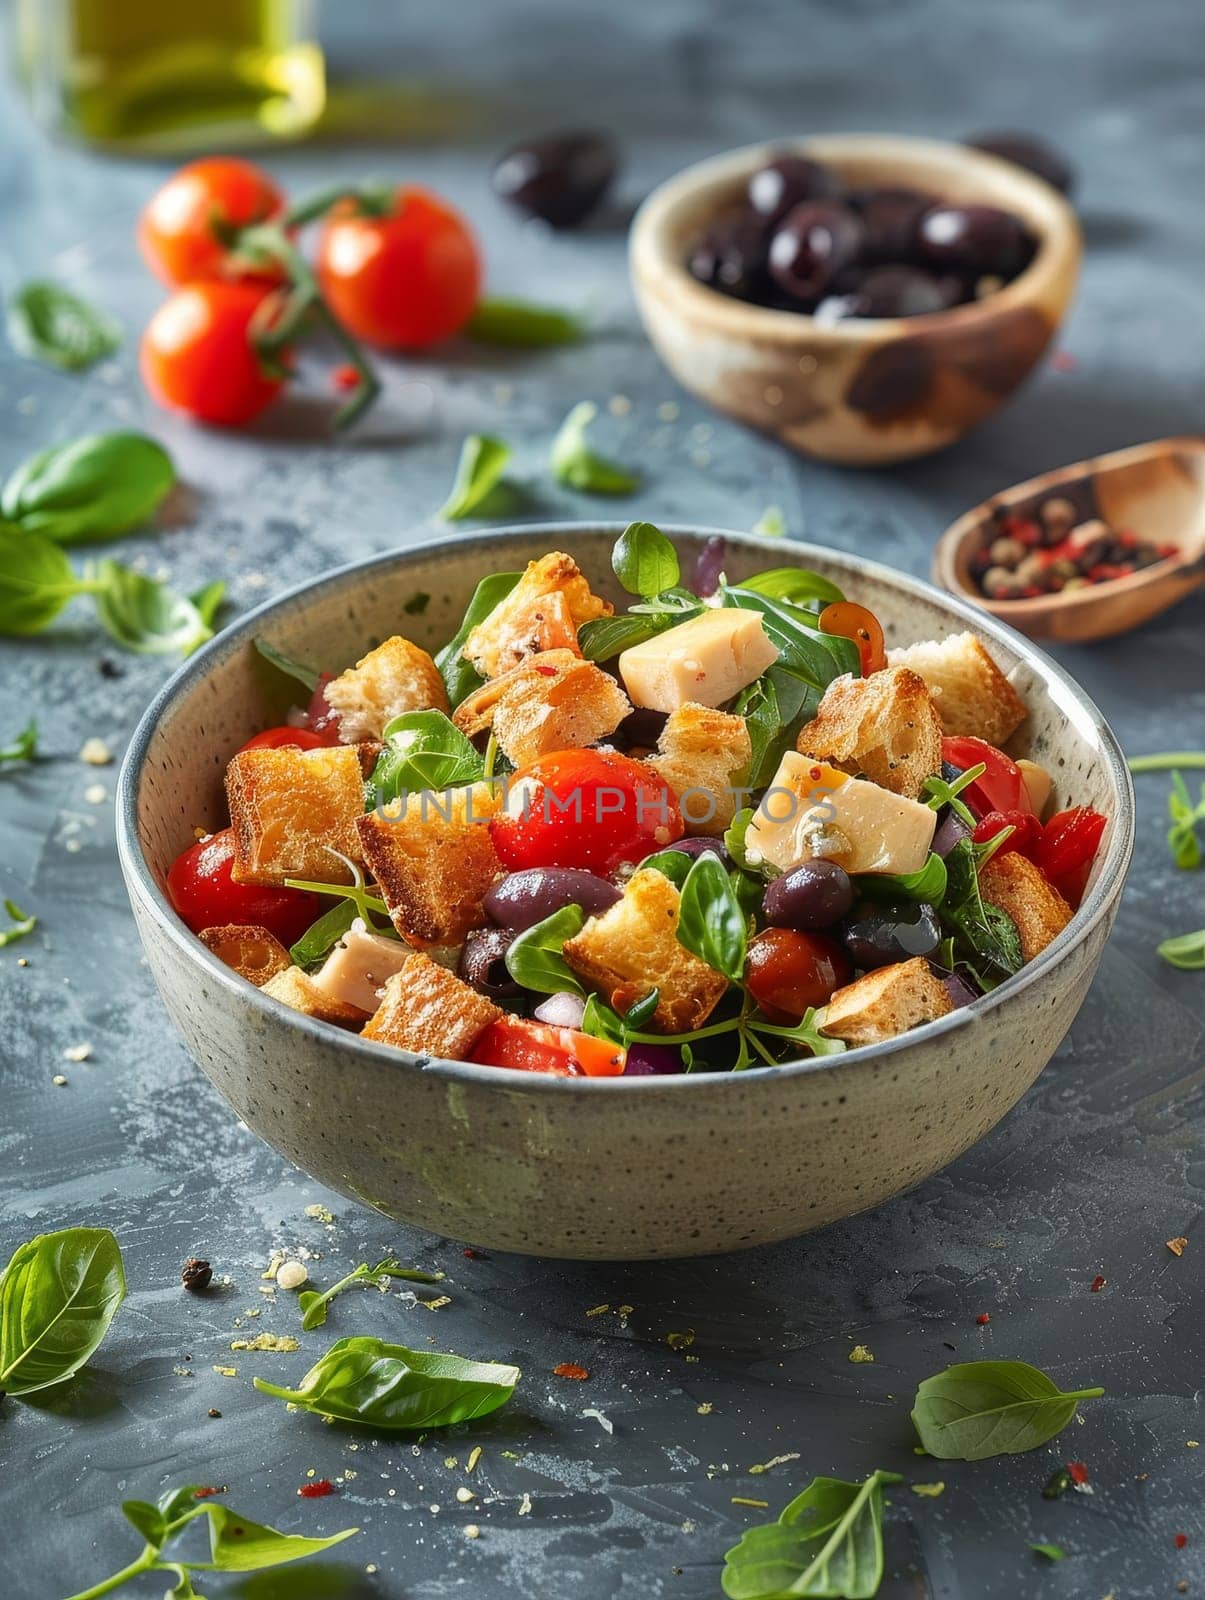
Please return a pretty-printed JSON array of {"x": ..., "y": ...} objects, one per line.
[{"x": 172, "y": 75}]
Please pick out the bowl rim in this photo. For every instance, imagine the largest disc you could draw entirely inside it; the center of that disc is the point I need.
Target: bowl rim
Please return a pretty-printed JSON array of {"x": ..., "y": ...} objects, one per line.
[
  {"x": 141, "y": 882},
  {"x": 1058, "y": 230}
]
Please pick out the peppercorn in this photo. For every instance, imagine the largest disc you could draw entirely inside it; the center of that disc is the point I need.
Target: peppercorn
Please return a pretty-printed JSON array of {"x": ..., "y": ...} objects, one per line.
[
  {"x": 196, "y": 1275},
  {"x": 1006, "y": 552},
  {"x": 1031, "y": 570},
  {"x": 1000, "y": 584},
  {"x": 213, "y": 1412},
  {"x": 1058, "y": 517}
]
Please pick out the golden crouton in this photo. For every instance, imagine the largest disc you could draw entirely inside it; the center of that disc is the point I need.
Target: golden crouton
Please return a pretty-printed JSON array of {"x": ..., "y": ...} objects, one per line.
[
  {"x": 427, "y": 1009},
  {"x": 1013, "y": 883},
  {"x": 433, "y": 860},
  {"x": 972, "y": 694},
  {"x": 397, "y": 676},
  {"x": 290, "y": 809},
  {"x": 886, "y": 1002},
  {"x": 251, "y": 951},
  {"x": 542, "y": 612},
  {"x": 552, "y": 701},
  {"x": 633, "y": 947},
  {"x": 700, "y": 755},
  {"x": 297, "y": 989},
  {"x": 885, "y": 726}
]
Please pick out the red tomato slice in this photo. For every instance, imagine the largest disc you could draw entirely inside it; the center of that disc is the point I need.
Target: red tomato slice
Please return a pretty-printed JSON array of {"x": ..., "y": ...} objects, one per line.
[
  {"x": 1001, "y": 788},
  {"x": 1026, "y": 830},
  {"x": 200, "y": 887},
  {"x": 276, "y": 738},
  {"x": 322, "y": 718},
  {"x": 1069, "y": 841},
  {"x": 540, "y": 1047}
]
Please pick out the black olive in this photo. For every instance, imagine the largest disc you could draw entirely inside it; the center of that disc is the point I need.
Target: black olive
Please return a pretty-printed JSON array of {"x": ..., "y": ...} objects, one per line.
[
  {"x": 891, "y": 218},
  {"x": 561, "y": 177},
  {"x": 787, "y": 181},
  {"x": 877, "y": 935},
  {"x": 976, "y": 240},
  {"x": 812, "y": 244},
  {"x": 731, "y": 256},
  {"x": 483, "y": 963},
  {"x": 1035, "y": 155}
]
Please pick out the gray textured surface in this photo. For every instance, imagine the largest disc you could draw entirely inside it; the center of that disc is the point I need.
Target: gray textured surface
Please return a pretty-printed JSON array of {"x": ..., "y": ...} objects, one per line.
[{"x": 1090, "y": 1175}]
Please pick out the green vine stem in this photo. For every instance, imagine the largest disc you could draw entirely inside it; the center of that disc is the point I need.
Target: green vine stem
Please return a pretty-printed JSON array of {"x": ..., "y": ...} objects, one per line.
[
  {"x": 1167, "y": 760},
  {"x": 146, "y": 1562}
]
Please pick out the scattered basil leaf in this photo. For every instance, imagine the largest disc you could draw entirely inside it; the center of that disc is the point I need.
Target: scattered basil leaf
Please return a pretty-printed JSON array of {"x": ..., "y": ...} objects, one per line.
[
  {"x": 644, "y": 560},
  {"x": 771, "y": 524},
  {"x": 711, "y": 923},
  {"x": 23, "y": 746},
  {"x": 306, "y": 676},
  {"x": 314, "y": 1302},
  {"x": 208, "y": 600},
  {"x": 58, "y": 1296},
  {"x": 22, "y": 926},
  {"x": 482, "y": 462},
  {"x": 387, "y": 1386},
  {"x": 498, "y": 320},
  {"x": 827, "y": 1542},
  {"x": 147, "y": 1519},
  {"x": 92, "y": 488},
  {"x": 36, "y": 581},
  {"x": 1057, "y": 1484},
  {"x": 603, "y": 638},
  {"x": 1186, "y": 951},
  {"x": 1186, "y": 816},
  {"x": 574, "y": 464},
  {"x": 236, "y": 1544},
  {"x": 674, "y": 864},
  {"x": 56, "y": 327},
  {"x": 143, "y": 614},
  {"x": 799, "y": 585},
  {"x": 991, "y": 1408},
  {"x": 460, "y": 676},
  {"x": 1052, "y": 1552},
  {"x": 926, "y": 886},
  {"x": 1167, "y": 761},
  {"x": 424, "y": 750},
  {"x": 322, "y": 936},
  {"x": 534, "y": 960}
]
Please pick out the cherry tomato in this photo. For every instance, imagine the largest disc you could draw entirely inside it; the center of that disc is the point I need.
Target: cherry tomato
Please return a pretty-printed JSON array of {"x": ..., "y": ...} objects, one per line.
[
  {"x": 200, "y": 887},
  {"x": 1068, "y": 842},
  {"x": 275, "y": 738},
  {"x": 540, "y": 1047},
  {"x": 1026, "y": 830},
  {"x": 403, "y": 281},
  {"x": 197, "y": 355},
  {"x": 180, "y": 231},
  {"x": 584, "y": 808},
  {"x": 787, "y": 972},
  {"x": 854, "y": 622},
  {"x": 1000, "y": 788}
]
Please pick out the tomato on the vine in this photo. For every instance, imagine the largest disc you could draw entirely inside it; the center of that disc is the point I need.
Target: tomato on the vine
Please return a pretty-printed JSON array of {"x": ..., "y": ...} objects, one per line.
[
  {"x": 197, "y": 355},
  {"x": 186, "y": 228},
  {"x": 402, "y": 281},
  {"x": 541, "y": 1047},
  {"x": 1000, "y": 788},
  {"x": 279, "y": 738},
  {"x": 850, "y": 621},
  {"x": 204, "y": 894}
]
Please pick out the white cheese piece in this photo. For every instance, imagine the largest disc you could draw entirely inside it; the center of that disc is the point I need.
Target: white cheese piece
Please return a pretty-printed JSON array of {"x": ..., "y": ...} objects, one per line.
[
  {"x": 1037, "y": 783},
  {"x": 812, "y": 810},
  {"x": 704, "y": 661},
  {"x": 359, "y": 965}
]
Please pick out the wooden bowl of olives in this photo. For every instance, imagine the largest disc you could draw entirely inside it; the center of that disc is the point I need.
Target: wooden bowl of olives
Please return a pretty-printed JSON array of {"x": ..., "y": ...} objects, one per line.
[{"x": 868, "y": 298}]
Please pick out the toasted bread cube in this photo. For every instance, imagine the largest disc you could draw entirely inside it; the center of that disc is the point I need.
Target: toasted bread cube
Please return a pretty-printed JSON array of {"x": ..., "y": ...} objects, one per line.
[
  {"x": 433, "y": 860},
  {"x": 397, "y": 676},
  {"x": 249, "y": 950},
  {"x": 881, "y": 1004},
  {"x": 1012, "y": 882},
  {"x": 700, "y": 754},
  {"x": 552, "y": 701},
  {"x": 297, "y": 989},
  {"x": 542, "y": 612},
  {"x": 973, "y": 696},
  {"x": 359, "y": 966},
  {"x": 633, "y": 947},
  {"x": 290, "y": 809},
  {"x": 429, "y": 1010},
  {"x": 704, "y": 661},
  {"x": 886, "y": 726}
]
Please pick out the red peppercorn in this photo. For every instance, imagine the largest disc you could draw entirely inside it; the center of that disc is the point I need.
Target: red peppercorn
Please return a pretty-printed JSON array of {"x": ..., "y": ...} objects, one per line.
[
  {"x": 569, "y": 1369},
  {"x": 206, "y": 1490},
  {"x": 1077, "y": 1472},
  {"x": 317, "y": 1489},
  {"x": 346, "y": 377},
  {"x": 1180, "y": 1541},
  {"x": 1098, "y": 1284},
  {"x": 983, "y": 1318}
]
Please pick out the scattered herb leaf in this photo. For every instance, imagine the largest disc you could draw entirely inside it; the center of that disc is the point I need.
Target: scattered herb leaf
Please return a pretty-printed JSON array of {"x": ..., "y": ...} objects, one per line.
[
  {"x": 644, "y": 560},
  {"x": 574, "y": 464},
  {"x": 711, "y": 923},
  {"x": 91, "y": 488},
  {"x": 799, "y": 585},
  {"x": 1186, "y": 816},
  {"x": 990, "y": 1408},
  {"x": 54, "y": 326},
  {"x": 322, "y": 936},
  {"x": 771, "y": 524},
  {"x": 36, "y": 581},
  {"x": 1052, "y": 1552},
  {"x": 1186, "y": 951},
  {"x": 23, "y": 746},
  {"x": 424, "y": 750},
  {"x": 306, "y": 676},
  {"x": 58, "y": 1296},
  {"x": 21, "y": 926},
  {"x": 482, "y": 462},
  {"x": 314, "y": 1303},
  {"x": 498, "y": 320},
  {"x": 143, "y": 614},
  {"x": 459, "y": 675}
]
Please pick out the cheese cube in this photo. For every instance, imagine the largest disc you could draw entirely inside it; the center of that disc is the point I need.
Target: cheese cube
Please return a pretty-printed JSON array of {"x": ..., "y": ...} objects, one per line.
[
  {"x": 812, "y": 810},
  {"x": 359, "y": 967},
  {"x": 704, "y": 661}
]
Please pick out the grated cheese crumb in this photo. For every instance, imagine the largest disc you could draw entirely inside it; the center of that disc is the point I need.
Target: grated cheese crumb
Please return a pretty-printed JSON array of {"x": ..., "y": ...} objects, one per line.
[
  {"x": 95, "y": 753},
  {"x": 525, "y": 1505},
  {"x": 291, "y": 1275},
  {"x": 320, "y": 1213},
  {"x": 59, "y": 1081},
  {"x": 860, "y": 1354},
  {"x": 96, "y": 794},
  {"x": 472, "y": 1531},
  {"x": 267, "y": 1341},
  {"x": 227, "y": 1372},
  {"x": 77, "y": 1052},
  {"x": 465, "y": 1495},
  {"x": 474, "y": 1458}
]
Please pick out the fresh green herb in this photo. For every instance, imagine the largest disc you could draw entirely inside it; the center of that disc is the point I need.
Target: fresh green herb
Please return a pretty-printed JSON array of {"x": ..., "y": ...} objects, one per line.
[
  {"x": 711, "y": 923},
  {"x": 673, "y": 864},
  {"x": 603, "y": 638},
  {"x": 734, "y": 843},
  {"x": 644, "y": 560},
  {"x": 387, "y": 1386},
  {"x": 36, "y": 581},
  {"x": 1186, "y": 951},
  {"x": 92, "y": 488},
  {"x": 366, "y": 905},
  {"x": 208, "y": 600},
  {"x": 774, "y": 707},
  {"x": 24, "y": 746},
  {"x": 459, "y": 675},
  {"x": 313, "y": 1304},
  {"x": 982, "y": 932},
  {"x": 56, "y": 327},
  {"x": 827, "y": 1542},
  {"x": 534, "y": 959},
  {"x": 642, "y": 1010},
  {"x": 424, "y": 750},
  {"x": 236, "y": 1544},
  {"x": 417, "y": 603},
  {"x": 816, "y": 657},
  {"x": 1186, "y": 816},
  {"x": 796, "y": 584},
  {"x": 574, "y": 464},
  {"x": 771, "y": 524},
  {"x": 1052, "y": 1552},
  {"x": 498, "y": 320},
  {"x": 938, "y": 792},
  {"x": 479, "y": 470},
  {"x": 992, "y": 1408},
  {"x": 21, "y": 924},
  {"x": 927, "y": 886},
  {"x": 322, "y": 936},
  {"x": 1167, "y": 761},
  {"x": 144, "y": 615},
  {"x": 306, "y": 676},
  {"x": 58, "y": 1296}
]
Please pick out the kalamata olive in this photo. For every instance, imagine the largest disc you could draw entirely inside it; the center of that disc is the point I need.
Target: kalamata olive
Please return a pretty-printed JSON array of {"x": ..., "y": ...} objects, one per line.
[
  {"x": 975, "y": 239},
  {"x": 1035, "y": 155},
  {"x": 891, "y": 218},
  {"x": 640, "y": 729},
  {"x": 696, "y": 845},
  {"x": 905, "y": 292},
  {"x": 560, "y": 177},
  {"x": 786, "y": 972},
  {"x": 950, "y": 830},
  {"x": 811, "y": 245},
  {"x": 525, "y": 898},
  {"x": 788, "y": 181},
  {"x": 652, "y": 1060},
  {"x": 483, "y": 963},
  {"x": 815, "y": 895},
  {"x": 731, "y": 256},
  {"x": 877, "y": 935}
]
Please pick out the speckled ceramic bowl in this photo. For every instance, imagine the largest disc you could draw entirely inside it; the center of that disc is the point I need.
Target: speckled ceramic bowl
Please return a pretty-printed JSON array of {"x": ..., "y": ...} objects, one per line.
[{"x": 593, "y": 1167}]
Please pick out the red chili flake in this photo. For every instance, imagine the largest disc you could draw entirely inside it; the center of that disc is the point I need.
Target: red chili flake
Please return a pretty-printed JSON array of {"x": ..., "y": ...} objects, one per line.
[
  {"x": 1077, "y": 1472},
  {"x": 1097, "y": 1284},
  {"x": 816, "y": 774},
  {"x": 1180, "y": 1541},
  {"x": 1064, "y": 361},
  {"x": 983, "y": 1318},
  {"x": 569, "y": 1369},
  {"x": 546, "y": 672},
  {"x": 474, "y": 1255},
  {"x": 204, "y": 1492},
  {"x": 346, "y": 377},
  {"x": 316, "y": 1490}
]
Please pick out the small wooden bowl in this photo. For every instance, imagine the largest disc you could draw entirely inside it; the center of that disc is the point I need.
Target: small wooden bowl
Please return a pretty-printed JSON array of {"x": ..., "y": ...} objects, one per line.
[
  {"x": 867, "y": 391},
  {"x": 1155, "y": 490}
]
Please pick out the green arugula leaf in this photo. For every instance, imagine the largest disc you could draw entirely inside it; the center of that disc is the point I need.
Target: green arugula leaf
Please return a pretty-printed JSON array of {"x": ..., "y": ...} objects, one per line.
[
  {"x": 36, "y": 581},
  {"x": 143, "y": 614},
  {"x": 770, "y": 525},
  {"x": 1052, "y": 1552},
  {"x": 92, "y": 488},
  {"x": 805, "y": 1032},
  {"x": 574, "y": 464},
  {"x": 927, "y": 886},
  {"x": 797, "y": 585},
  {"x": 387, "y": 1386},
  {"x": 460, "y": 676},
  {"x": 306, "y": 676},
  {"x": 644, "y": 560},
  {"x": 1186, "y": 951},
  {"x": 827, "y": 1542},
  {"x": 482, "y": 462},
  {"x": 774, "y": 707},
  {"x": 58, "y": 1296},
  {"x": 424, "y": 750},
  {"x": 313, "y": 1302},
  {"x": 982, "y": 931},
  {"x": 938, "y": 792},
  {"x": 22, "y": 924},
  {"x": 23, "y": 746},
  {"x": 56, "y": 327},
  {"x": 711, "y": 923},
  {"x": 991, "y": 1408},
  {"x": 534, "y": 959},
  {"x": 498, "y": 320}
]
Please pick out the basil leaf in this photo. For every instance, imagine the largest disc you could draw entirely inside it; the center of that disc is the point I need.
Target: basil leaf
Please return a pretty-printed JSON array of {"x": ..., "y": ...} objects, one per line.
[
  {"x": 827, "y": 1542},
  {"x": 927, "y": 886},
  {"x": 147, "y": 1519},
  {"x": 93, "y": 488},
  {"x": 711, "y": 923},
  {"x": 313, "y": 1302},
  {"x": 142, "y": 614},
  {"x": 644, "y": 560},
  {"x": 602, "y": 638},
  {"x": 22, "y": 925},
  {"x": 534, "y": 959},
  {"x": 815, "y": 657},
  {"x": 208, "y": 600},
  {"x": 674, "y": 864},
  {"x": 991, "y": 1408},
  {"x": 1185, "y": 816},
  {"x": 424, "y": 750},
  {"x": 574, "y": 464},
  {"x": 498, "y": 320},
  {"x": 599, "y": 1020},
  {"x": 306, "y": 676},
  {"x": 322, "y": 936},
  {"x": 796, "y": 584},
  {"x": 775, "y": 707},
  {"x": 387, "y": 1386},
  {"x": 56, "y": 327},
  {"x": 58, "y": 1296},
  {"x": 36, "y": 581},
  {"x": 1186, "y": 951},
  {"x": 236, "y": 1544},
  {"x": 1052, "y": 1552},
  {"x": 482, "y": 462},
  {"x": 23, "y": 746},
  {"x": 770, "y": 525},
  {"x": 459, "y": 675}
]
